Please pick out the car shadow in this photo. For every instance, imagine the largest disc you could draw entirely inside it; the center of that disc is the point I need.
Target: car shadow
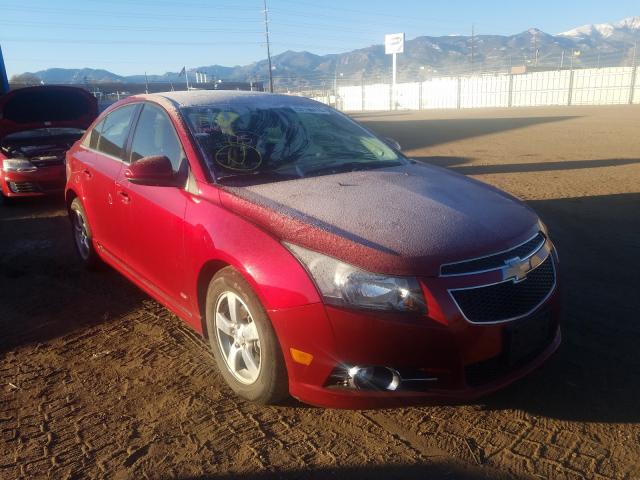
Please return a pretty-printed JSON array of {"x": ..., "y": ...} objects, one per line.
[
  {"x": 45, "y": 292},
  {"x": 595, "y": 376},
  {"x": 454, "y": 163},
  {"x": 432, "y": 471},
  {"x": 416, "y": 134}
]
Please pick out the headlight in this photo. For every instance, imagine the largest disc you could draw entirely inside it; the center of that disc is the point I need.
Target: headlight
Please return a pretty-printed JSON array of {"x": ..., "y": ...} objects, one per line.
[
  {"x": 18, "y": 165},
  {"x": 345, "y": 285}
]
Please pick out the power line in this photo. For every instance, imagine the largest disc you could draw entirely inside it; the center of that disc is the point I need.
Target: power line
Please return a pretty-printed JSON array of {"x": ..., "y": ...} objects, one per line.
[
  {"x": 123, "y": 42},
  {"x": 96, "y": 13},
  {"x": 128, "y": 27}
]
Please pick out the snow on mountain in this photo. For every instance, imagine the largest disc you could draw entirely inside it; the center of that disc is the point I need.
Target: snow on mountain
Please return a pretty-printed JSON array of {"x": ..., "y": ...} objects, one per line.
[{"x": 604, "y": 30}]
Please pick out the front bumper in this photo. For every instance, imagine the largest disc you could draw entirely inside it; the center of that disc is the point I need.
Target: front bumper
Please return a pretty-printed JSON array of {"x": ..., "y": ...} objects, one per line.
[
  {"x": 44, "y": 181},
  {"x": 468, "y": 360}
]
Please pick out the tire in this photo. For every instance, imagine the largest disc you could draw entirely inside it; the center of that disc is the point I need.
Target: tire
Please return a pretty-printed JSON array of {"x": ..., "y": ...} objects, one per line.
[
  {"x": 252, "y": 337},
  {"x": 82, "y": 236}
]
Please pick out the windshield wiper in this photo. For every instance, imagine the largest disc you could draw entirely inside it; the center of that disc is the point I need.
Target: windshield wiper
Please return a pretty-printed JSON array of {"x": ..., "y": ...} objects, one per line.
[
  {"x": 259, "y": 176},
  {"x": 340, "y": 167}
]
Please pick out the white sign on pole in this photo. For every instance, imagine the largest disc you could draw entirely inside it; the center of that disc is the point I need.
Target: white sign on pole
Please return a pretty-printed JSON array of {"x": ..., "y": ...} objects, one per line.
[{"x": 394, "y": 43}]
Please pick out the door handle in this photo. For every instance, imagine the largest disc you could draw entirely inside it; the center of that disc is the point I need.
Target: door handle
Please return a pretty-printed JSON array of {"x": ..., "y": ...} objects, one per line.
[
  {"x": 124, "y": 196},
  {"x": 87, "y": 173}
]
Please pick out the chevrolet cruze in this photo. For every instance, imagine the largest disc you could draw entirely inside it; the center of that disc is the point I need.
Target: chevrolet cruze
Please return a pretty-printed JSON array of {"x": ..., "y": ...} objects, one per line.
[{"x": 315, "y": 257}]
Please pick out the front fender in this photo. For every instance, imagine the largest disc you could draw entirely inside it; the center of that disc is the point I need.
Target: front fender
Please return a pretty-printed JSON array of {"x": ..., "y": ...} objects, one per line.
[{"x": 213, "y": 233}]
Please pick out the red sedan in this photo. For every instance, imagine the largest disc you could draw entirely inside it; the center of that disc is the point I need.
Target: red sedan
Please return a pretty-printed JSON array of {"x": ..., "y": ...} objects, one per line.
[
  {"x": 37, "y": 127},
  {"x": 315, "y": 257}
]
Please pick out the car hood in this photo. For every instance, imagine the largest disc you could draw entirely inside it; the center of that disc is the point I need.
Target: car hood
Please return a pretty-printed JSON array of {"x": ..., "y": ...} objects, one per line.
[
  {"x": 50, "y": 106},
  {"x": 400, "y": 220}
]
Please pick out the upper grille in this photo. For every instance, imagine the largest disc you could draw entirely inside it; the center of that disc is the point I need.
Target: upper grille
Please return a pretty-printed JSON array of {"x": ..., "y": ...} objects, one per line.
[
  {"x": 494, "y": 261},
  {"x": 507, "y": 300}
]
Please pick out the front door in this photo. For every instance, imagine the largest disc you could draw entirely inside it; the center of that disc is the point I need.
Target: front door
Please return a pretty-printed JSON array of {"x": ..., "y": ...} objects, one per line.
[{"x": 156, "y": 214}]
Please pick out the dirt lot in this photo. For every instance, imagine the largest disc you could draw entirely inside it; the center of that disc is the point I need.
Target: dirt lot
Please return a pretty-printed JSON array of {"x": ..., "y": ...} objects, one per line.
[{"x": 99, "y": 381}]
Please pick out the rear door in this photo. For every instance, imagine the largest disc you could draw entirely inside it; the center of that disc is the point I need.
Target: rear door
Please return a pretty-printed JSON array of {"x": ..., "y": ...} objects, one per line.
[
  {"x": 156, "y": 214},
  {"x": 99, "y": 174}
]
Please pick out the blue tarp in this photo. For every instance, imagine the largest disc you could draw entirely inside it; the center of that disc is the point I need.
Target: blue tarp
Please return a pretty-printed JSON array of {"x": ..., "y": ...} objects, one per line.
[{"x": 4, "y": 81}]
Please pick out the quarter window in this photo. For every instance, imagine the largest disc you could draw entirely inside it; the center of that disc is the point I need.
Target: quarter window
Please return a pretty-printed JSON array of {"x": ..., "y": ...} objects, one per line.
[
  {"x": 155, "y": 135},
  {"x": 114, "y": 131},
  {"x": 91, "y": 140}
]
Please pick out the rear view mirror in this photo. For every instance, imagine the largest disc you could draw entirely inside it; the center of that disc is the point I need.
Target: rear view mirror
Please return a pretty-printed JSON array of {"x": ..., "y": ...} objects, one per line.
[
  {"x": 153, "y": 171},
  {"x": 392, "y": 143}
]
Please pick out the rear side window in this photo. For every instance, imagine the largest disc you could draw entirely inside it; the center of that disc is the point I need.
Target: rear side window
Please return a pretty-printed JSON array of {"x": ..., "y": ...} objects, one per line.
[
  {"x": 155, "y": 135},
  {"x": 114, "y": 131}
]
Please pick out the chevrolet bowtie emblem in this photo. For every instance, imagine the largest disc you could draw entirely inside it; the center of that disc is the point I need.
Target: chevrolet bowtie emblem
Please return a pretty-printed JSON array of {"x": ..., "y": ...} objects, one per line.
[{"x": 516, "y": 269}]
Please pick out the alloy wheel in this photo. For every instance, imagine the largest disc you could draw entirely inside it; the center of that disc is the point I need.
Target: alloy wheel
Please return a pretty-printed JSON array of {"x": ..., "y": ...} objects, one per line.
[{"x": 238, "y": 338}]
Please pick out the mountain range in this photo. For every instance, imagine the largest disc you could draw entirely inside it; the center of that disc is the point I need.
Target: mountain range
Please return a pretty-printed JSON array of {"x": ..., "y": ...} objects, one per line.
[{"x": 606, "y": 44}]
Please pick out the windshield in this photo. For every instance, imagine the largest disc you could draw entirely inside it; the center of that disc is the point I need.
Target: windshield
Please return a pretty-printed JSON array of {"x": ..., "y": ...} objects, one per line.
[{"x": 263, "y": 144}]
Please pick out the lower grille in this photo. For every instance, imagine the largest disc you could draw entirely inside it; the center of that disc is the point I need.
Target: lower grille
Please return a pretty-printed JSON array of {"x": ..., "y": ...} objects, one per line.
[
  {"x": 507, "y": 300},
  {"x": 23, "y": 187},
  {"x": 36, "y": 187}
]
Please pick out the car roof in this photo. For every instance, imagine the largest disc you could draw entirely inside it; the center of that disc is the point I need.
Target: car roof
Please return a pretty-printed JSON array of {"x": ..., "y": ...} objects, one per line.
[{"x": 197, "y": 98}]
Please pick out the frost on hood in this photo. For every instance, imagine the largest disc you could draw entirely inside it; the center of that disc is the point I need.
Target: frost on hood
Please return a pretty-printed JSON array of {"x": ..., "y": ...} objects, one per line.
[{"x": 397, "y": 220}]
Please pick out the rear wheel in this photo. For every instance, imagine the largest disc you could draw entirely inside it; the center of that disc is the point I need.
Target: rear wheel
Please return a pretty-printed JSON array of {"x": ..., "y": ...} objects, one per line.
[
  {"x": 243, "y": 341},
  {"x": 82, "y": 237}
]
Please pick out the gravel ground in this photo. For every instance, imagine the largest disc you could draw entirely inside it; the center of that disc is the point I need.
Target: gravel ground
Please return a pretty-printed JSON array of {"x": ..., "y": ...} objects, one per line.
[{"x": 99, "y": 381}]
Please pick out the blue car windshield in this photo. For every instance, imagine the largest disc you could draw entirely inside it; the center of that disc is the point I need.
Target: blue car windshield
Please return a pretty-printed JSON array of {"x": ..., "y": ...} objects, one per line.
[{"x": 283, "y": 142}]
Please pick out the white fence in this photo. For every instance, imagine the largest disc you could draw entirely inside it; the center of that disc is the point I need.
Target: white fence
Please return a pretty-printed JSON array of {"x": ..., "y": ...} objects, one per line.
[{"x": 594, "y": 86}]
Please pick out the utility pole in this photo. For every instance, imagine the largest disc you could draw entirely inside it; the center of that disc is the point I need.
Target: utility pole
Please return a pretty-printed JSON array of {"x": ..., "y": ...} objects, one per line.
[
  {"x": 146, "y": 83},
  {"x": 266, "y": 32},
  {"x": 562, "y": 60}
]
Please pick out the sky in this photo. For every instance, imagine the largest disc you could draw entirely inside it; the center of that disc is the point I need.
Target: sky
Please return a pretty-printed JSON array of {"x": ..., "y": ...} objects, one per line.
[{"x": 130, "y": 37}]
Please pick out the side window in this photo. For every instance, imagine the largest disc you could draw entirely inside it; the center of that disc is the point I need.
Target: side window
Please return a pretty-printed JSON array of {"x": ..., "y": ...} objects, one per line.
[
  {"x": 114, "y": 131},
  {"x": 155, "y": 135},
  {"x": 91, "y": 140}
]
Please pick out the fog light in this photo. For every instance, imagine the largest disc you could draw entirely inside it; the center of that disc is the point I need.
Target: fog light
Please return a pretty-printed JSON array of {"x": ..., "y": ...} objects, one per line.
[{"x": 374, "y": 378}]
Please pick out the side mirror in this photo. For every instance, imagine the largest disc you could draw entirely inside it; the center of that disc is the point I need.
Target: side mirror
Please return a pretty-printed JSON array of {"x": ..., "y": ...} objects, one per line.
[
  {"x": 152, "y": 171},
  {"x": 392, "y": 143}
]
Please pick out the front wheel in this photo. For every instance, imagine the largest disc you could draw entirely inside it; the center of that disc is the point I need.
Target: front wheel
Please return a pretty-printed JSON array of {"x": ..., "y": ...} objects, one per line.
[{"x": 243, "y": 341}]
